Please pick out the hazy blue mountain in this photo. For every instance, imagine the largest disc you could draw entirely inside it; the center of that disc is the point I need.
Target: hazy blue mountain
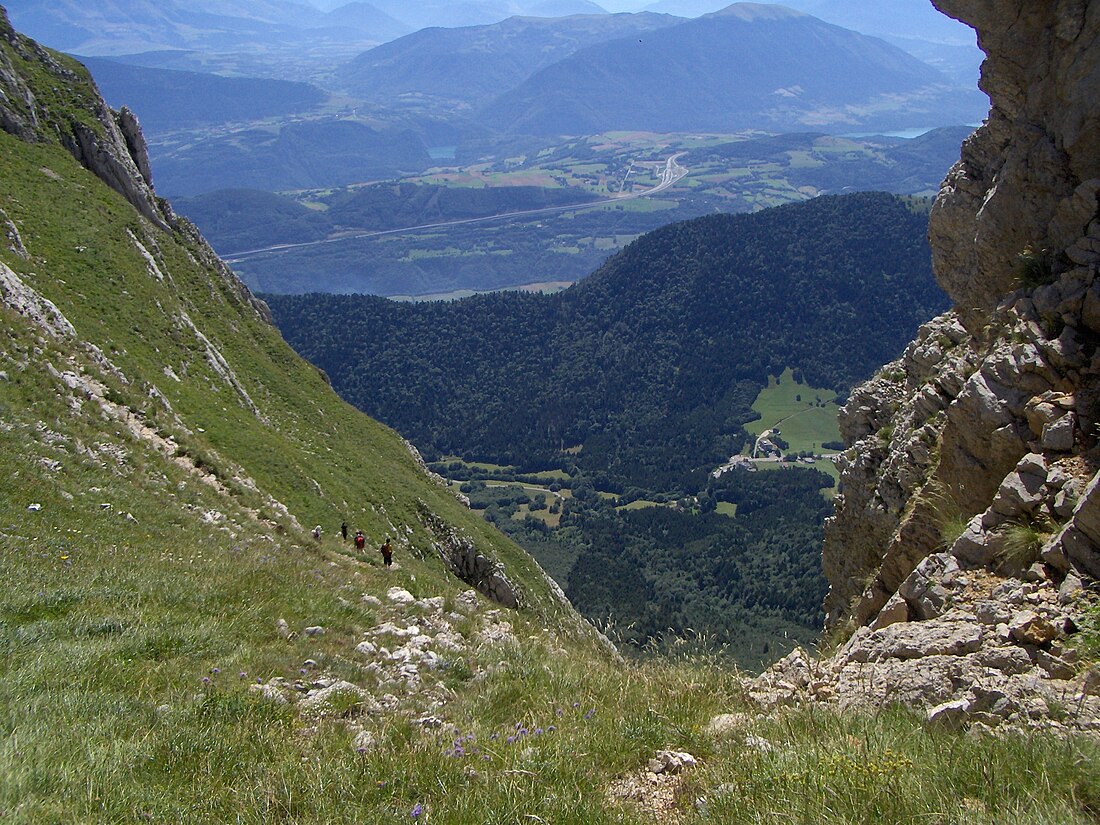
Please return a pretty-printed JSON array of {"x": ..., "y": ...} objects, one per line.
[
  {"x": 475, "y": 64},
  {"x": 129, "y": 26},
  {"x": 166, "y": 100},
  {"x": 295, "y": 156},
  {"x": 456, "y": 13},
  {"x": 687, "y": 8},
  {"x": 563, "y": 8},
  {"x": 913, "y": 25},
  {"x": 890, "y": 18},
  {"x": 365, "y": 17},
  {"x": 447, "y": 12},
  {"x": 748, "y": 66}
]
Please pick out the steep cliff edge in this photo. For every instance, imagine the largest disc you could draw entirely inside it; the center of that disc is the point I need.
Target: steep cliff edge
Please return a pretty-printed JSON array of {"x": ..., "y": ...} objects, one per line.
[
  {"x": 45, "y": 96},
  {"x": 967, "y": 537}
]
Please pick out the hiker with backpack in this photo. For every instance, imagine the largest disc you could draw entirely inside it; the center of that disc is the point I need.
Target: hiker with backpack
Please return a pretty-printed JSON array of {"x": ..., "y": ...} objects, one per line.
[
  {"x": 387, "y": 552},
  {"x": 360, "y": 540}
]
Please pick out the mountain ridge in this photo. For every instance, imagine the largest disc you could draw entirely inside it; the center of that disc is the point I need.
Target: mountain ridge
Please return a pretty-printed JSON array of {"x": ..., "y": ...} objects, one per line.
[
  {"x": 721, "y": 73},
  {"x": 472, "y": 64}
]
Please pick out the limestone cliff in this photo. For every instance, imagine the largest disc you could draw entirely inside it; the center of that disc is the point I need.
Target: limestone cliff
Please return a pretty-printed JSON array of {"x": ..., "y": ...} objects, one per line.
[
  {"x": 46, "y": 96},
  {"x": 1016, "y": 244},
  {"x": 967, "y": 534}
]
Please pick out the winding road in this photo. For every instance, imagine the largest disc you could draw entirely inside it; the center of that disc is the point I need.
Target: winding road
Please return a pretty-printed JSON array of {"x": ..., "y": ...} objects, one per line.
[{"x": 672, "y": 173}]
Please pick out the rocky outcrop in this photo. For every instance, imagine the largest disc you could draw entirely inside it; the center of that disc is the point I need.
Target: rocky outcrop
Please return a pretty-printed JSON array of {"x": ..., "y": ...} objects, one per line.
[
  {"x": 1029, "y": 177},
  {"x": 974, "y": 458},
  {"x": 995, "y": 653},
  {"x": 44, "y": 97},
  {"x": 464, "y": 560}
]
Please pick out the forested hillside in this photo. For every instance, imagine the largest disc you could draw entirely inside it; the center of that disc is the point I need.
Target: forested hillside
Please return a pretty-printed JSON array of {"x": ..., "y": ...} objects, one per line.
[{"x": 645, "y": 370}]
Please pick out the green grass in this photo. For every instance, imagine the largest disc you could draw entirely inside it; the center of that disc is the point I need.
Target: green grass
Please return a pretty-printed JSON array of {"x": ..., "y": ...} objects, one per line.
[
  {"x": 825, "y": 465},
  {"x": 805, "y": 415},
  {"x": 642, "y": 504}
]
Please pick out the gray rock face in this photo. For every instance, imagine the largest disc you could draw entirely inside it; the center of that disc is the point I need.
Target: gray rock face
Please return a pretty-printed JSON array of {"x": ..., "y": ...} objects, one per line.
[
  {"x": 465, "y": 561},
  {"x": 975, "y": 456},
  {"x": 987, "y": 409},
  {"x": 1001, "y": 658},
  {"x": 1025, "y": 178},
  {"x": 110, "y": 146}
]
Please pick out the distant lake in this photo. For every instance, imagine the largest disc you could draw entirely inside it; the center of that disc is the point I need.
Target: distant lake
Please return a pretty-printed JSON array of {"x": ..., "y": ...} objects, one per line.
[{"x": 442, "y": 152}]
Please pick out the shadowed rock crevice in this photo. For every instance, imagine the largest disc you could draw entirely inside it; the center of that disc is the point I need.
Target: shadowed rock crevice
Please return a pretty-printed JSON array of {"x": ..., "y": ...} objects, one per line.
[{"x": 464, "y": 560}]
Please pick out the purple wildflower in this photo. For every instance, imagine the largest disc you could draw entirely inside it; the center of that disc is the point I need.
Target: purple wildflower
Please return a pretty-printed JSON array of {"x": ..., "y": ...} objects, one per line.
[
  {"x": 242, "y": 675},
  {"x": 206, "y": 680},
  {"x": 417, "y": 810},
  {"x": 510, "y": 740}
]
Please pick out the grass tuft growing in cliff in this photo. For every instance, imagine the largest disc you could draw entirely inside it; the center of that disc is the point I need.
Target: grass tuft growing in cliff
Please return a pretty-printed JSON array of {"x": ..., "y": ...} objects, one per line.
[
  {"x": 1034, "y": 267},
  {"x": 1021, "y": 542}
]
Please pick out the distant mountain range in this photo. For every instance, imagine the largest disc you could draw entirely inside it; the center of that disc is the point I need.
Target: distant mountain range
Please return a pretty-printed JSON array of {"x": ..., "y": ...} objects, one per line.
[
  {"x": 748, "y": 66},
  {"x": 130, "y": 26},
  {"x": 473, "y": 65},
  {"x": 477, "y": 12},
  {"x": 167, "y": 100}
]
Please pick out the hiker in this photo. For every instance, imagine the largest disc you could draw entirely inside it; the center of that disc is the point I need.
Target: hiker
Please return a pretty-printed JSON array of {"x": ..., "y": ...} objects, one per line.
[
  {"x": 360, "y": 540},
  {"x": 344, "y": 530},
  {"x": 317, "y": 532},
  {"x": 387, "y": 552}
]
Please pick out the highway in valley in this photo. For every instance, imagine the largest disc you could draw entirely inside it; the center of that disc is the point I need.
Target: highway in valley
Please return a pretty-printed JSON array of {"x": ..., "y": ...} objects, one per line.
[{"x": 670, "y": 175}]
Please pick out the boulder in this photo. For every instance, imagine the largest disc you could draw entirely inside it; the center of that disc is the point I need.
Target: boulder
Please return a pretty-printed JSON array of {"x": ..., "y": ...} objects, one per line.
[
  {"x": 1028, "y": 627},
  {"x": 339, "y": 699},
  {"x": 1059, "y": 435},
  {"x": 976, "y": 547},
  {"x": 922, "y": 589},
  {"x": 671, "y": 762},
  {"x": 399, "y": 595},
  {"x": 895, "y": 610},
  {"x": 952, "y": 714},
  {"x": 363, "y": 742},
  {"x": 955, "y": 635},
  {"x": 269, "y": 692}
]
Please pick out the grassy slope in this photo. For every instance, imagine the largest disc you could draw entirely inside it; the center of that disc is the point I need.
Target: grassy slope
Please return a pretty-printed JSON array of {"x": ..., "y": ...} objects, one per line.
[{"x": 112, "y": 616}]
